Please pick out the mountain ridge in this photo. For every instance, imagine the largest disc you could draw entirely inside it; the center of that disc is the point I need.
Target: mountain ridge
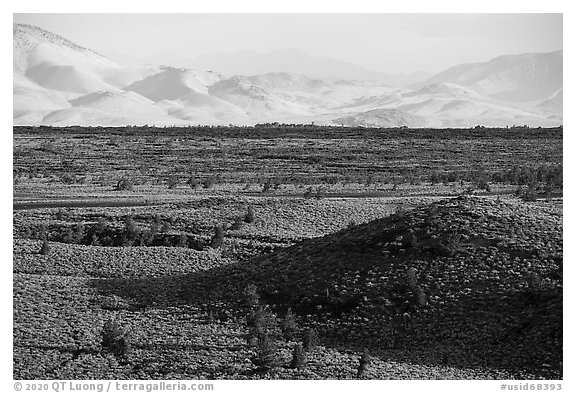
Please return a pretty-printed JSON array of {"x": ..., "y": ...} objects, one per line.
[
  {"x": 489, "y": 77},
  {"x": 52, "y": 74}
]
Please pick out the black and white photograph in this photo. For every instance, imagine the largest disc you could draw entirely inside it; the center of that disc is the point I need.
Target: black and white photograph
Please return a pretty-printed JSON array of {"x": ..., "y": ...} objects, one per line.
[{"x": 287, "y": 196}]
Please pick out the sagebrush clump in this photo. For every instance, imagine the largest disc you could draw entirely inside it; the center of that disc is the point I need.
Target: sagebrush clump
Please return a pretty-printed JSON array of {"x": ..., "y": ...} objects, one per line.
[
  {"x": 114, "y": 339},
  {"x": 249, "y": 217},
  {"x": 310, "y": 339},
  {"x": 266, "y": 356},
  {"x": 289, "y": 325},
  {"x": 299, "y": 357},
  {"x": 124, "y": 184},
  {"x": 218, "y": 237},
  {"x": 365, "y": 361}
]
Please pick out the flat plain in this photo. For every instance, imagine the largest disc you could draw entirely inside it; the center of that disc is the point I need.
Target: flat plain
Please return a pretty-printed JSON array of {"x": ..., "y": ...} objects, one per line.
[{"x": 287, "y": 252}]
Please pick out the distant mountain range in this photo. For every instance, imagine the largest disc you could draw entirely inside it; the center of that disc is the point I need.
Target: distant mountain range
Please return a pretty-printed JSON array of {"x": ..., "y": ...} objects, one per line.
[
  {"x": 518, "y": 78},
  {"x": 61, "y": 83}
]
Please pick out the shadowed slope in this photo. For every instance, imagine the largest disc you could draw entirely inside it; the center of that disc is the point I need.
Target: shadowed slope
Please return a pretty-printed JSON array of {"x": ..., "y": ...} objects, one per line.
[{"x": 483, "y": 277}]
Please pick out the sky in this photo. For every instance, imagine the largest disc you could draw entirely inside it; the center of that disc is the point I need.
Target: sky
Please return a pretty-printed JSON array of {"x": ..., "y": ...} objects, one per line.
[{"x": 392, "y": 43}]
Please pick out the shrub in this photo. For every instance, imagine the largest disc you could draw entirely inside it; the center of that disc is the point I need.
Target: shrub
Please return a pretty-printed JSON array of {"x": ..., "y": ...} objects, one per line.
[
  {"x": 534, "y": 282},
  {"x": 289, "y": 325},
  {"x": 529, "y": 196},
  {"x": 28, "y": 233},
  {"x": 237, "y": 224},
  {"x": 45, "y": 249},
  {"x": 124, "y": 184},
  {"x": 69, "y": 237},
  {"x": 79, "y": 233},
  {"x": 420, "y": 297},
  {"x": 182, "y": 241},
  {"x": 261, "y": 322},
  {"x": 267, "y": 186},
  {"x": 100, "y": 225},
  {"x": 172, "y": 182},
  {"x": 310, "y": 339},
  {"x": 218, "y": 238},
  {"x": 60, "y": 215},
  {"x": 266, "y": 356},
  {"x": 130, "y": 232},
  {"x": 157, "y": 224},
  {"x": 365, "y": 361},
  {"x": 114, "y": 339},
  {"x": 166, "y": 226},
  {"x": 249, "y": 217},
  {"x": 409, "y": 240},
  {"x": 298, "y": 357},
  {"x": 209, "y": 182},
  {"x": 445, "y": 357},
  {"x": 42, "y": 232},
  {"x": 454, "y": 244},
  {"x": 453, "y": 177},
  {"x": 251, "y": 297},
  {"x": 95, "y": 241},
  {"x": 411, "y": 278},
  {"x": 483, "y": 185},
  {"x": 400, "y": 212},
  {"x": 192, "y": 182},
  {"x": 68, "y": 178}
]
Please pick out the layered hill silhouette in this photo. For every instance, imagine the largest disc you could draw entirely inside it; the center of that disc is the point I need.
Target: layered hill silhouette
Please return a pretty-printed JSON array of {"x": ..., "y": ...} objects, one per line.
[
  {"x": 55, "y": 81},
  {"x": 479, "y": 278},
  {"x": 517, "y": 78}
]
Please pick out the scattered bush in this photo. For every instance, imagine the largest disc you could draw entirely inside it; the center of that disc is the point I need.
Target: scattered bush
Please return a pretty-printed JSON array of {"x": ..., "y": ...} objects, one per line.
[
  {"x": 114, "y": 339},
  {"x": 45, "y": 249},
  {"x": 95, "y": 240},
  {"x": 289, "y": 325},
  {"x": 266, "y": 356},
  {"x": 130, "y": 232},
  {"x": 79, "y": 233},
  {"x": 182, "y": 241},
  {"x": 60, "y": 215},
  {"x": 310, "y": 339},
  {"x": 299, "y": 358},
  {"x": 365, "y": 361},
  {"x": 420, "y": 297},
  {"x": 266, "y": 187},
  {"x": 249, "y": 217},
  {"x": 124, "y": 184},
  {"x": 192, "y": 182},
  {"x": 251, "y": 297},
  {"x": 172, "y": 182},
  {"x": 529, "y": 195},
  {"x": 209, "y": 182},
  {"x": 237, "y": 224},
  {"x": 483, "y": 185},
  {"x": 411, "y": 278},
  {"x": 261, "y": 322},
  {"x": 69, "y": 237},
  {"x": 68, "y": 178},
  {"x": 218, "y": 238}
]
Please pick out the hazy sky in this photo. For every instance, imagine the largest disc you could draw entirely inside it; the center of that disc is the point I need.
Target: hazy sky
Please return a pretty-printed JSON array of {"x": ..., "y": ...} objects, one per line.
[{"x": 396, "y": 43}]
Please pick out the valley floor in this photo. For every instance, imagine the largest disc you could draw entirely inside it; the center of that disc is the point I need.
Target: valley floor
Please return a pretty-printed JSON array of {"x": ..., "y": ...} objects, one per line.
[{"x": 129, "y": 255}]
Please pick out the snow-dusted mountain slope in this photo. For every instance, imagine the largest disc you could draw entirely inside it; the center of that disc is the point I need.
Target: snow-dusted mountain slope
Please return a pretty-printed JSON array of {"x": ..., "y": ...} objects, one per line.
[
  {"x": 518, "y": 78},
  {"x": 59, "y": 82}
]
